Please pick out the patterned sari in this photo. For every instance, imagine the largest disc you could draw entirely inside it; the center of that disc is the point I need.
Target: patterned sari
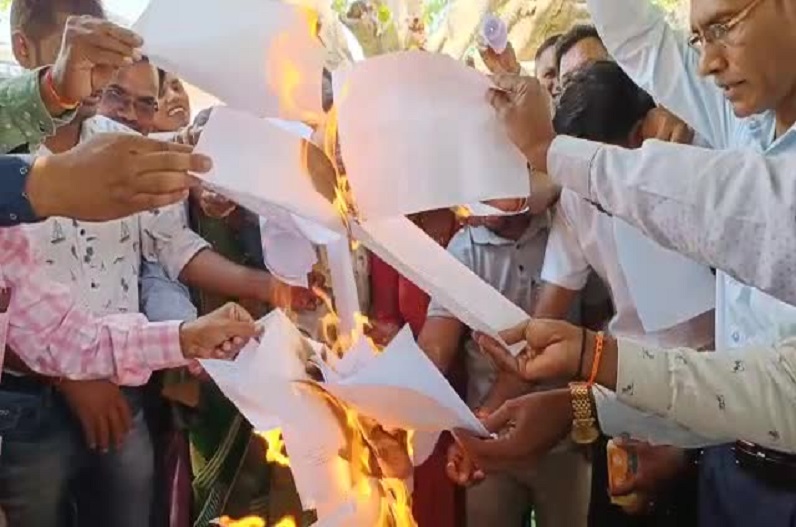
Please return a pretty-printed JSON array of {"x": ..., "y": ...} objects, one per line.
[{"x": 231, "y": 476}]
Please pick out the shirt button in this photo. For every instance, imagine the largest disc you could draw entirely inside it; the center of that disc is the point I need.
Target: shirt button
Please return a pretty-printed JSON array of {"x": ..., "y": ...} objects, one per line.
[
  {"x": 522, "y": 268},
  {"x": 23, "y": 170},
  {"x": 12, "y": 217},
  {"x": 736, "y": 337}
]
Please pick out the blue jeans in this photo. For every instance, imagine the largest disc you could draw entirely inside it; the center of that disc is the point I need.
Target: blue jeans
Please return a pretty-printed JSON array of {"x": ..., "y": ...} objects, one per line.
[
  {"x": 730, "y": 497},
  {"x": 50, "y": 478}
]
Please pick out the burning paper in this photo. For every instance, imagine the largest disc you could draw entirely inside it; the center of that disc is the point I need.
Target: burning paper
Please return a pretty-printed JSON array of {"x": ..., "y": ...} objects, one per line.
[
  {"x": 259, "y": 165},
  {"x": 400, "y": 243},
  {"x": 261, "y": 56},
  {"x": 381, "y": 396},
  {"x": 417, "y": 133}
]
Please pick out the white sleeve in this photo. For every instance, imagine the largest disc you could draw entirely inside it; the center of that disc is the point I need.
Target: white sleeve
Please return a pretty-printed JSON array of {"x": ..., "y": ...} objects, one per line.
[
  {"x": 564, "y": 262},
  {"x": 702, "y": 203},
  {"x": 167, "y": 239},
  {"x": 736, "y": 394},
  {"x": 659, "y": 59}
]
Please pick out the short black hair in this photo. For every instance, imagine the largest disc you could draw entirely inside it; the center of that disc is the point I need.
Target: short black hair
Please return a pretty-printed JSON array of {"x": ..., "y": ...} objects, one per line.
[
  {"x": 548, "y": 43},
  {"x": 38, "y": 18},
  {"x": 571, "y": 38},
  {"x": 599, "y": 102}
]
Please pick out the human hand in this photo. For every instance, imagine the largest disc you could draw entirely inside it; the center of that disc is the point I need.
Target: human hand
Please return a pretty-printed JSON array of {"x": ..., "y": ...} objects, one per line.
[
  {"x": 460, "y": 468},
  {"x": 661, "y": 124},
  {"x": 102, "y": 410},
  {"x": 382, "y": 331},
  {"x": 552, "y": 350},
  {"x": 112, "y": 176},
  {"x": 218, "y": 335},
  {"x": 215, "y": 205},
  {"x": 284, "y": 296},
  {"x": 505, "y": 63},
  {"x": 528, "y": 428},
  {"x": 525, "y": 109},
  {"x": 656, "y": 468},
  {"x": 507, "y": 386},
  {"x": 92, "y": 50}
]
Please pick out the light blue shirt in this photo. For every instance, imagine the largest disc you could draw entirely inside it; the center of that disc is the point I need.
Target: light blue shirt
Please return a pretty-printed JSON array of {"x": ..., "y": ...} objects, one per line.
[{"x": 733, "y": 209}]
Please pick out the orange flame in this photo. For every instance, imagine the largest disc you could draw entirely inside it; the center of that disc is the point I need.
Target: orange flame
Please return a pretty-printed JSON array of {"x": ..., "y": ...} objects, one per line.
[
  {"x": 254, "y": 521},
  {"x": 275, "y": 447}
]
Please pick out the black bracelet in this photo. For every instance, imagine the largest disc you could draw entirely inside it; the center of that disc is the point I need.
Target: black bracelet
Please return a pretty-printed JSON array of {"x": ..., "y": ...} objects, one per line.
[{"x": 582, "y": 353}]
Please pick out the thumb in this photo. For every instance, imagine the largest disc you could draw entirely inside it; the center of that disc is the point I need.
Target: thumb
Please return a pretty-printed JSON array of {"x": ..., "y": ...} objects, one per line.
[{"x": 514, "y": 335}]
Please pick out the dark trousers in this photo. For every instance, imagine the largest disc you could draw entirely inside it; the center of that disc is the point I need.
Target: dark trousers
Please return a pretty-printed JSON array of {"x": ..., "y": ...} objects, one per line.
[{"x": 730, "y": 497}]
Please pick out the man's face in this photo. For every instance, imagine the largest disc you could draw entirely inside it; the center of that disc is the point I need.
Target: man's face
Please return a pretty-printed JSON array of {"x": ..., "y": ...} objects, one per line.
[
  {"x": 545, "y": 69},
  {"x": 32, "y": 53},
  {"x": 587, "y": 50},
  {"x": 131, "y": 98},
  {"x": 174, "y": 107},
  {"x": 752, "y": 61}
]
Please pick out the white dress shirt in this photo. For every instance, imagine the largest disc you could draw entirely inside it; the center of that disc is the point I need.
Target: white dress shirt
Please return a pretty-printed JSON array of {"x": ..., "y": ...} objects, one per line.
[
  {"x": 581, "y": 240},
  {"x": 734, "y": 210},
  {"x": 101, "y": 261}
]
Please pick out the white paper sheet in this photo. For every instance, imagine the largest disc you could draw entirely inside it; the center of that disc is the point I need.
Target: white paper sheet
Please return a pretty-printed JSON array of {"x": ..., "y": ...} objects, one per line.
[
  {"x": 287, "y": 254},
  {"x": 261, "y": 56},
  {"x": 258, "y": 165},
  {"x": 261, "y": 384},
  {"x": 344, "y": 283},
  {"x": 417, "y": 133},
  {"x": 667, "y": 287},
  {"x": 402, "y": 388},
  {"x": 401, "y": 244}
]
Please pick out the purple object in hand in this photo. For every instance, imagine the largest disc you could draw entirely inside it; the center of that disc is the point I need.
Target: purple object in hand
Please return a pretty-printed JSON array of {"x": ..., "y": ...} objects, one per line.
[{"x": 495, "y": 33}]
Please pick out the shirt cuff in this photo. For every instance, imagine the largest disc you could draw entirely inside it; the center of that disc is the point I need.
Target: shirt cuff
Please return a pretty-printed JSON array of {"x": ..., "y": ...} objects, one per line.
[
  {"x": 642, "y": 377},
  {"x": 569, "y": 163},
  {"x": 15, "y": 207},
  {"x": 162, "y": 348}
]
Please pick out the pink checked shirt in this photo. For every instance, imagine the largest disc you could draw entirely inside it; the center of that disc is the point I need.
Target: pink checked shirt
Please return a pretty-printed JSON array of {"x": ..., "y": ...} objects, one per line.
[{"x": 46, "y": 327}]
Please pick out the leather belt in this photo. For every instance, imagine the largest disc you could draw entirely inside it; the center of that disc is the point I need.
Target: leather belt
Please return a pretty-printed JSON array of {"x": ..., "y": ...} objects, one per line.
[{"x": 774, "y": 468}]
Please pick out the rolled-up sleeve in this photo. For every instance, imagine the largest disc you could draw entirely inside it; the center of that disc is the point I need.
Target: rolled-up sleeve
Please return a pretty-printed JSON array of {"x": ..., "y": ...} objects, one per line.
[
  {"x": 736, "y": 394},
  {"x": 24, "y": 118},
  {"x": 55, "y": 336},
  {"x": 167, "y": 239}
]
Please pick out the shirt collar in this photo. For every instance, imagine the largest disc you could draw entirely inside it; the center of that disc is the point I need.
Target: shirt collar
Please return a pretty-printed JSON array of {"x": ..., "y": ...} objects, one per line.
[{"x": 482, "y": 236}]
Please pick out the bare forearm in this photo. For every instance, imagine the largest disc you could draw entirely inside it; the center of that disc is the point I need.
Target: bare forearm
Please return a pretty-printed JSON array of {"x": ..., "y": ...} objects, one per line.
[{"x": 213, "y": 273}]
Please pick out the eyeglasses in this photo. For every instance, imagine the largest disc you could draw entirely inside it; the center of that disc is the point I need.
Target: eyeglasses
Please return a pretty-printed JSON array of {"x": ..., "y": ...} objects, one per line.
[
  {"x": 118, "y": 97},
  {"x": 718, "y": 32}
]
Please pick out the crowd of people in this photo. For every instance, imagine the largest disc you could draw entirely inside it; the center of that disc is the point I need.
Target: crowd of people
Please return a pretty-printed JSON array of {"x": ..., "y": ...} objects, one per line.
[{"x": 118, "y": 269}]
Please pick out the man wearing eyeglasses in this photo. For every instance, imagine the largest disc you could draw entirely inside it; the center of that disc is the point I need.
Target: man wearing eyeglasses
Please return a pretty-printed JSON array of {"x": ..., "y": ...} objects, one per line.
[
  {"x": 131, "y": 98},
  {"x": 733, "y": 80}
]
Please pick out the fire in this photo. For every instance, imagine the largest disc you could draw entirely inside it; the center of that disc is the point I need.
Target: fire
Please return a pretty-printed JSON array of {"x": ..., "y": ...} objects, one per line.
[
  {"x": 254, "y": 521},
  {"x": 462, "y": 212},
  {"x": 275, "y": 445},
  {"x": 338, "y": 342}
]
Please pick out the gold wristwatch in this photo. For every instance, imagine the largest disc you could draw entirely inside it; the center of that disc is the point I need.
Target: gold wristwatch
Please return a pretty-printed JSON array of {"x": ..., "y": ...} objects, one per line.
[{"x": 584, "y": 423}]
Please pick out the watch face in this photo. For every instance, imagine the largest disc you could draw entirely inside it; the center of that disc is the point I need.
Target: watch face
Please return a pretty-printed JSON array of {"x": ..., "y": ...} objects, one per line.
[{"x": 584, "y": 434}]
